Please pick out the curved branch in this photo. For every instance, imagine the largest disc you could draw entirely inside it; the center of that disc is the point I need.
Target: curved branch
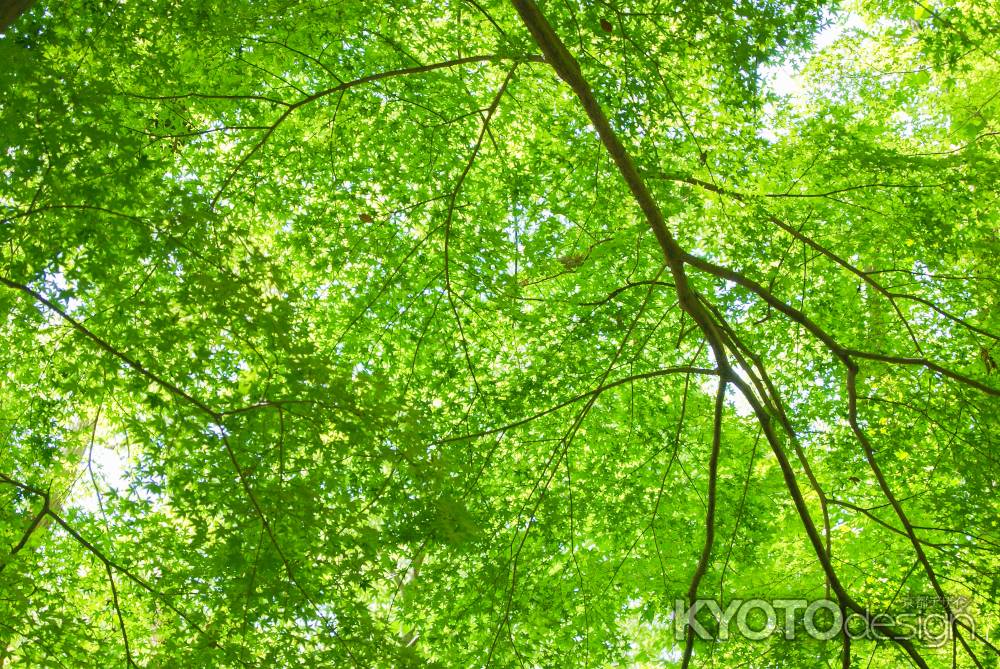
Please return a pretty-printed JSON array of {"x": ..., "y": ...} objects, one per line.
[
  {"x": 573, "y": 400},
  {"x": 339, "y": 88},
  {"x": 852, "y": 417},
  {"x": 863, "y": 275},
  {"x": 842, "y": 353}
]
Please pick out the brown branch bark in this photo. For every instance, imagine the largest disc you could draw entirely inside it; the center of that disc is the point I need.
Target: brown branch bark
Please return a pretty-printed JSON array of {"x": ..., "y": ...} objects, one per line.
[
  {"x": 706, "y": 551},
  {"x": 118, "y": 611},
  {"x": 842, "y": 353},
  {"x": 11, "y": 10},
  {"x": 852, "y": 417},
  {"x": 773, "y": 403},
  {"x": 865, "y": 276},
  {"x": 35, "y": 523},
  {"x": 567, "y": 68}
]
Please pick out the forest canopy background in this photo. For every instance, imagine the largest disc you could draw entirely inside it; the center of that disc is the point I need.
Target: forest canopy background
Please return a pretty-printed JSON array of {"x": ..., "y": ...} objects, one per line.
[{"x": 479, "y": 333}]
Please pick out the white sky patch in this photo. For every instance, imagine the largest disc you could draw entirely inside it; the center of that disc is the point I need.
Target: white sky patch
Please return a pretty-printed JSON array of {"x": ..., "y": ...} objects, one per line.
[
  {"x": 785, "y": 79},
  {"x": 734, "y": 398},
  {"x": 109, "y": 464},
  {"x": 57, "y": 280}
]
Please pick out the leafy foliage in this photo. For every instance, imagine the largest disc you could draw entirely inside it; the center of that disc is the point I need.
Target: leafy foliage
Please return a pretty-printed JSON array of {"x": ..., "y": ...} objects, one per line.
[{"x": 478, "y": 334}]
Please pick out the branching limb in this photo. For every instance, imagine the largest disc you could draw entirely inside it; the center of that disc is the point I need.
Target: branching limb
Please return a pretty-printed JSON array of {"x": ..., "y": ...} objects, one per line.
[
  {"x": 118, "y": 612},
  {"x": 865, "y": 276},
  {"x": 110, "y": 563},
  {"x": 842, "y": 353},
  {"x": 685, "y": 369},
  {"x": 215, "y": 417},
  {"x": 918, "y": 549},
  {"x": 618, "y": 291},
  {"x": 451, "y": 215},
  {"x": 706, "y": 551},
  {"x": 290, "y": 107},
  {"x": 36, "y": 521}
]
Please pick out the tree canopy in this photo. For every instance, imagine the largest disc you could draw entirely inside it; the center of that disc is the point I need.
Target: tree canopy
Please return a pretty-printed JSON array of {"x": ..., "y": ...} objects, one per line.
[{"x": 477, "y": 333}]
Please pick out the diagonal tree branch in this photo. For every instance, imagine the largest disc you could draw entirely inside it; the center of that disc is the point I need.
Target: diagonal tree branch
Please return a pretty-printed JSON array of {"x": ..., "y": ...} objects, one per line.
[
  {"x": 451, "y": 215},
  {"x": 216, "y": 418},
  {"x": 109, "y": 562},
  {"x": 567, "y": 68}
]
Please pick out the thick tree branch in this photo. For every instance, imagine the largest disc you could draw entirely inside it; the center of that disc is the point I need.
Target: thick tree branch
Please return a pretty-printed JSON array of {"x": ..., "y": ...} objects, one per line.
[
  {"x": 566, "y": 67},
  {"x": 706, "y": 551},
  {"x": 11, "y": 10},
  {"x": 865, "y": 276}
]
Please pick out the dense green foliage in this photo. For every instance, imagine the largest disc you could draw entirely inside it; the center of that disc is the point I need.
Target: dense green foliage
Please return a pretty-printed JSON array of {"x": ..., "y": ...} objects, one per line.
[{"x": 473, "y": 334}]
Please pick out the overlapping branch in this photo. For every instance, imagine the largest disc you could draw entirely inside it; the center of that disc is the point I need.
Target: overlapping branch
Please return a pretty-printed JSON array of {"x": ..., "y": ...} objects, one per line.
[
  {"x": 567, "y": 69},
  {"x": 216, "y": 418}
]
